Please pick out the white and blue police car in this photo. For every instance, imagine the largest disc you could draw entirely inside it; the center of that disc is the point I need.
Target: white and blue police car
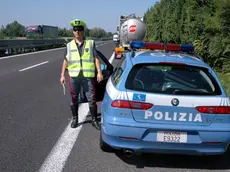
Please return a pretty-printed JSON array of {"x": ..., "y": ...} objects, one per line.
[{"x": 164, "y": 101}]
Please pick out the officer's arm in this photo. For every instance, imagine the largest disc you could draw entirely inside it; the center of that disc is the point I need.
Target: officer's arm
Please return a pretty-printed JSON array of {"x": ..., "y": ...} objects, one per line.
[
  {"x": 98, "y": 65},
  {"x": 64, "y": 64},
  {"x": 97, "y": 61}
]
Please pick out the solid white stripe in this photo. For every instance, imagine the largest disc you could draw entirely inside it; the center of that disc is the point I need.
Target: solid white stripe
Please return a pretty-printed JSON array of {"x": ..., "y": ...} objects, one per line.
[
  {"x": 112, "y": 58},
  {"x": 59, "y": 154},
  {"x": 33, "y": 66}
]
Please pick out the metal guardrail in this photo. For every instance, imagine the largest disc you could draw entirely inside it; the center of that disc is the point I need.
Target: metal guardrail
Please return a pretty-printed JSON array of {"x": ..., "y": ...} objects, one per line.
[
  {"x": 28, "y": 43},
  {"x": 17, "y": 45}
]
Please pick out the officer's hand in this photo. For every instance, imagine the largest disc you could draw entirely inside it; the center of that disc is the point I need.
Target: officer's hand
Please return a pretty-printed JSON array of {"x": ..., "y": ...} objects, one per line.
[
  {"x": 62, "y": 79},
  {"x": 99, "y": 76}
]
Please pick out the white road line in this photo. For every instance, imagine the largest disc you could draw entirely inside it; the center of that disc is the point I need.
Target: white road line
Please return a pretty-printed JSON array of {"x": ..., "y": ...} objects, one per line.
[
  {"x": 59, "y": 154},
  {"x": 33, "y": 66},
  {"x": 112, "y": 58},
  {"x": 101, "y": 45}
]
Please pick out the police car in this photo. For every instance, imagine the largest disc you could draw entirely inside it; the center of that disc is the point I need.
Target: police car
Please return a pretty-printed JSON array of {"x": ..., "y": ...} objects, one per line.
[{"x": 164, "y": 101}]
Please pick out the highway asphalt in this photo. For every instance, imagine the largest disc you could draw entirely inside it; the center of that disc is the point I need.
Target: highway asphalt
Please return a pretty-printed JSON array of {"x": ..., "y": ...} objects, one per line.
[{"x": 34, "y": 128}]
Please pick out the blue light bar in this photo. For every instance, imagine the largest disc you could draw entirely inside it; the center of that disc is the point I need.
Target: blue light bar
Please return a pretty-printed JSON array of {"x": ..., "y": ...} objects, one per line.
[
  {"x": 187, "y": 47},
  {"x": 161, "y": 46},
  {"x": 137, "y": 44}
]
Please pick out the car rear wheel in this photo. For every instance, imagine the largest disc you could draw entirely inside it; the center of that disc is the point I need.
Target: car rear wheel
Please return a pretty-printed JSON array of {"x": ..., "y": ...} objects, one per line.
[{"x": 104, "y": 146}]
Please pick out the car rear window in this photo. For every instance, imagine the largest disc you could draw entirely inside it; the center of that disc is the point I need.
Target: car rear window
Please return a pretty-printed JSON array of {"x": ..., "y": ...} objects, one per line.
[{"x": 172, "y": 79}]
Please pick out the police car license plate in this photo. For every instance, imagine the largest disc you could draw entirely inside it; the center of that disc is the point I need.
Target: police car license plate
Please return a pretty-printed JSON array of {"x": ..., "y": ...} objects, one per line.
[{"x": 168, "y": 136}]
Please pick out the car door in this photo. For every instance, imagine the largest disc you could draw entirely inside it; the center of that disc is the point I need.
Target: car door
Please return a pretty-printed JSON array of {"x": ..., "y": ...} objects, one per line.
[{"x": 107, "y": 70}]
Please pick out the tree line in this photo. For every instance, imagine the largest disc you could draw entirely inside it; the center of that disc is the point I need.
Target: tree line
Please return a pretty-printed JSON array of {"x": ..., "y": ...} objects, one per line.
[
  {"x": 204, "y": 23},
  {"x": 95, "y": 32},
  {"x": 15, "y": 29}
]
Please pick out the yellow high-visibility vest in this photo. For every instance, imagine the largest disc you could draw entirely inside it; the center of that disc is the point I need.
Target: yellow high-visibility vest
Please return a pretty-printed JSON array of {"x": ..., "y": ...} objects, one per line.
[{"x": 88, "y": 61}]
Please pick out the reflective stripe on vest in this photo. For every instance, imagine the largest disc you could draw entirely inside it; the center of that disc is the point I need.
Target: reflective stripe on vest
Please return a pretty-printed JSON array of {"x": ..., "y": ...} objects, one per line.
[{"x": 73, "y": 57}]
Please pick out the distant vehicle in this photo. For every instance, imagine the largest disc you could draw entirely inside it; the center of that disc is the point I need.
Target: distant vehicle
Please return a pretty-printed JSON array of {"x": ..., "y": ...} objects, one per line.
[
  {"x": 41, "y": 31},
  {"x": 115, "y": 38},
  {"x": 167, "y": 101}
]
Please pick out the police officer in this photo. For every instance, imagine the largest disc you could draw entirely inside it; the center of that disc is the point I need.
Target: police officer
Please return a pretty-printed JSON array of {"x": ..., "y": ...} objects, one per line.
[{"x": 81, "y": 62}]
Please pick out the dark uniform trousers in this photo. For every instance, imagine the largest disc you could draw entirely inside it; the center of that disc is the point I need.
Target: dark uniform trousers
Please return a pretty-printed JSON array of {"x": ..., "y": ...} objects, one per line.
[{"x": 88, "y": 85}]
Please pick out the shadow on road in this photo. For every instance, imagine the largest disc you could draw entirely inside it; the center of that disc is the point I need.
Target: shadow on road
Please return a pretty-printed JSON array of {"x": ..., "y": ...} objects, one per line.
[{"x": 177, "y": 161}]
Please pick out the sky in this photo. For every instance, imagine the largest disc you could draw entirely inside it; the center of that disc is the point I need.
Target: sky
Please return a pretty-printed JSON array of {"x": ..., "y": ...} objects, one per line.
[{"x": 96, "y": 13}]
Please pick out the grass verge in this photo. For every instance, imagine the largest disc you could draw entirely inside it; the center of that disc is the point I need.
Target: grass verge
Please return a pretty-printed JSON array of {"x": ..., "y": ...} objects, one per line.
[{"x": 225, "y": 81}]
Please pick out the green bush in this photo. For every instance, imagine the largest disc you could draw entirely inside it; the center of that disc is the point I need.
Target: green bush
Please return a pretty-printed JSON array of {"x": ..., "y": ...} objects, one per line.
[{"x": 225, "y": 81}]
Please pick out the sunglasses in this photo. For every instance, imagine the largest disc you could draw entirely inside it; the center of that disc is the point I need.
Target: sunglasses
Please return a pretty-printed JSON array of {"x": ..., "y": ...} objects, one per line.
[{"x": 79, "y": 28}]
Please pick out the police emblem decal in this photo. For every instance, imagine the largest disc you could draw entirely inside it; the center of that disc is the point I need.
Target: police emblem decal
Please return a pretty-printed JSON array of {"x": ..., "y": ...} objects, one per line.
[
  {"x": 175, "y": 102},
  {"x": 139, "y": 97}
]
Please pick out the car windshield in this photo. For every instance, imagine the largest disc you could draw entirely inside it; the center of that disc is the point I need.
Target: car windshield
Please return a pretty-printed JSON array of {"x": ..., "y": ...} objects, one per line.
[{"x": 172, "y": 79}]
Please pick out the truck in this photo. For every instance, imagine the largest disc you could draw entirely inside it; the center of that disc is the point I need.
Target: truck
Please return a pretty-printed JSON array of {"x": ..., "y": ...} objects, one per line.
[
  {"x": 41, "y": 31},
  {"x": 131, "y": 28}
]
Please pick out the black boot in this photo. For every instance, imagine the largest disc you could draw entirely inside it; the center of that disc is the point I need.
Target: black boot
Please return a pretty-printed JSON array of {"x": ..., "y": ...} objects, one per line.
[
  {"x": 93, "y": 111},
  {"x": 74, "y": 109}
]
